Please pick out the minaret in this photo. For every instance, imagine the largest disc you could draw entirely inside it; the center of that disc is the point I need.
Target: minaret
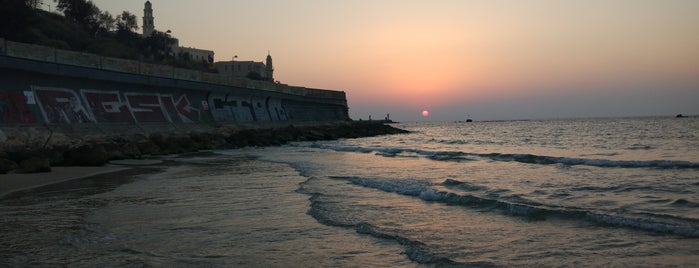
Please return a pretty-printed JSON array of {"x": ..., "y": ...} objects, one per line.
[
  {"x": 148, "y": 25},
  {"x": 269, "y": 69}
]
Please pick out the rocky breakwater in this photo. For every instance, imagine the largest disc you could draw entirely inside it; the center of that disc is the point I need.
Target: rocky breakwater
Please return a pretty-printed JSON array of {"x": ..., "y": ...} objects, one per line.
[{"x": 38, "y": 149}]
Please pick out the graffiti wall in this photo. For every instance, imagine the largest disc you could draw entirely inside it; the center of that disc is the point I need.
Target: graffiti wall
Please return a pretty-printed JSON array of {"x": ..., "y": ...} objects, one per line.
[
  {"x": 227, "y": 107},
  {"x": 33, "y": 92},
  {"x": 69, "y": 106},
  {"x": 14, "y": 110},
  {"x": 60, "y": 105}
]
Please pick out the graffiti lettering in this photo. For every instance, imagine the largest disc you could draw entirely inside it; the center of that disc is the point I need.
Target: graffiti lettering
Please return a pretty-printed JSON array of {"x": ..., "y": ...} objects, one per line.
[
  {"x": 14, "y": 110},
  {"x": 66, "y": 106},
  {"x": 107, "y": 106},
  {"x": 146, "y": 108},
  {"x": 61, "y": 106},
  {"x": 228, "y": 108},
  {"x": 181, "y": 111}
]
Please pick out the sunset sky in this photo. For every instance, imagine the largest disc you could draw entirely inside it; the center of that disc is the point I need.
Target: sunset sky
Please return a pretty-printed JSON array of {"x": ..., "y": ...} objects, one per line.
[{"x": 491, "y": 60}]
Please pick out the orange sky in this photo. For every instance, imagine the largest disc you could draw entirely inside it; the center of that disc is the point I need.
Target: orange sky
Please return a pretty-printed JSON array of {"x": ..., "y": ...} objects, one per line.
[{"x": 489, "y": 59}]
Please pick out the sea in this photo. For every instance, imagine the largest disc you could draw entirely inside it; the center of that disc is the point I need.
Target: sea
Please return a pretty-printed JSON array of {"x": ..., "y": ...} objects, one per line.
[{"x": 602, "y": 192}]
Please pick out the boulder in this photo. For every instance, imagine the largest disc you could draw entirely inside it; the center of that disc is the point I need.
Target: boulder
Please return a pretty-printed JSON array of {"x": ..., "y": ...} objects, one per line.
[
  {"x": 3, "y": 137},
  {"x": 125, "y": 150},
  {"x": 35, "y": 165},
  {"x": 148, "y": 148},
  {"x": 87, "y": 155},
  {"x": 7, "y": 165}
]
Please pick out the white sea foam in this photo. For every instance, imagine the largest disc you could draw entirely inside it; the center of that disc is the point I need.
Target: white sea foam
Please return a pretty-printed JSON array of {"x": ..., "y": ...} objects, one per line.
[
  {"x": 523, "y": 158},
  {"x": 518, "y": 206}
]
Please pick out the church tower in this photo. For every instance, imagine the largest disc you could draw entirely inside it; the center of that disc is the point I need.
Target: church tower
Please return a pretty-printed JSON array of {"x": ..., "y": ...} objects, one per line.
[
  {"x": 148, "y": 25},
  {"x": 269, "y": 69}
]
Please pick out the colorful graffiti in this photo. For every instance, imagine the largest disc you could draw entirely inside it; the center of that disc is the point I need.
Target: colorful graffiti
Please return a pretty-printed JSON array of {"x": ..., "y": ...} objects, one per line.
[
  {"x": 107, "y": 106},
  {"x": 234, "y": 108},
  {"x": 68, "y": 106},
  {"x": 14, "y": 110},
  {"x": 183, "y": 110},
  {"x": 60, "y": 105}
]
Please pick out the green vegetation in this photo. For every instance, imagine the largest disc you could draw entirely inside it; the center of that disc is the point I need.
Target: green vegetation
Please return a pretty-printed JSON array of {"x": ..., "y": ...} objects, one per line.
[{"x": 84, "y": 27}]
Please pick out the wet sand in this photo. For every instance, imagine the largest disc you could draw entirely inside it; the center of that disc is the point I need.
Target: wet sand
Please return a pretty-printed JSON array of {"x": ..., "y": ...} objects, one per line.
[{"x": 10, "y": 183}]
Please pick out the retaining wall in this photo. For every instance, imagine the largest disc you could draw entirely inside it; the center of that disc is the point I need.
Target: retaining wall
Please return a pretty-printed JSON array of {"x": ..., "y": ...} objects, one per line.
[{"x": 40, "y": 85}]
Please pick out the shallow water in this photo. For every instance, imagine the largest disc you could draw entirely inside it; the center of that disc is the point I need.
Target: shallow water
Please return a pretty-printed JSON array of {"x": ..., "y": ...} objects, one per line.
[{"x": 586, "y": 192}]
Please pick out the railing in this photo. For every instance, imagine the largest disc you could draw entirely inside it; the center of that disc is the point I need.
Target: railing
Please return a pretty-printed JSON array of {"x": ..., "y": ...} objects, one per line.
[{"x": 66, "y": 57}]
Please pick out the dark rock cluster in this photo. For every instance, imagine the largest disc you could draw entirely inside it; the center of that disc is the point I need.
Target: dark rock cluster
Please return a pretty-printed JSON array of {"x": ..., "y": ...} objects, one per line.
[{"x": 101, "y": 150}]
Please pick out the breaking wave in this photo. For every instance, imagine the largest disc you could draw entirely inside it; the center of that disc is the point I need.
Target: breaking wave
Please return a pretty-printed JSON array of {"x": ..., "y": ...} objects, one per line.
[
  {"x": 523, "y": 208},
  {"x": 415, "y": 250},
  {"x": 457, "y": 156}
]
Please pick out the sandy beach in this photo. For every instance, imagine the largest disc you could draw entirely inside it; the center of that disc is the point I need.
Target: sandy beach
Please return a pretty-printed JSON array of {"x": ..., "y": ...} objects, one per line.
[{"x": 10, "y": 183}]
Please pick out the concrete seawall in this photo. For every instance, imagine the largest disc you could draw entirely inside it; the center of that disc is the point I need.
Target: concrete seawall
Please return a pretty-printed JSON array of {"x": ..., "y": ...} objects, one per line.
[{"x": 41, "y": 85}]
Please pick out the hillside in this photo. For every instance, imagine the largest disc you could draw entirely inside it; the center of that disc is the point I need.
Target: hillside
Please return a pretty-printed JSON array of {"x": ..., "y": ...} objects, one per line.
[{"x": 91, "y": 31}]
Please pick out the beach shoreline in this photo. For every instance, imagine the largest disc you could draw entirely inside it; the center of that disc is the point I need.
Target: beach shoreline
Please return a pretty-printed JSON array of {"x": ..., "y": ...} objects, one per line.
[
  {"x": 72, "y": 158},
  {"x": 12, "y": 183}
]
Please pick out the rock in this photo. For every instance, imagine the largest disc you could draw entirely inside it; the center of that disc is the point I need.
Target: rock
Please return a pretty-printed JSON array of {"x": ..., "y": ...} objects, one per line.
[
  {"x": 98, "y": 150},
  {"x": 680, "y": 116},
  {"x": 7, "y": 165},
  {"x": 87, "y": 155},
  {"x": 55, "y": 155},
  {"x": 176, "y": 144},
  {"x": 125, "y": 150},
  {"x": 3, "y": 137},
  {"x": 148, "y": 148},
  {"x": 35, "y": 165}
]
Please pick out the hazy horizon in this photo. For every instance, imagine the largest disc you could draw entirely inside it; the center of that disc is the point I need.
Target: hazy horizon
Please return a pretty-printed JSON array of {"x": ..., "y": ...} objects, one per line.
[{"x": 483, "y": 59}]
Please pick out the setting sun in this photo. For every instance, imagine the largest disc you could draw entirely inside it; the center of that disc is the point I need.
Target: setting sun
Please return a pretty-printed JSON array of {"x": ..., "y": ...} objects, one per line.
[{"x": 425, "y": 113}]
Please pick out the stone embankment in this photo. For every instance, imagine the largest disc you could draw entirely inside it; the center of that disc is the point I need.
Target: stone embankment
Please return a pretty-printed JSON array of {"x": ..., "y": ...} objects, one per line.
[{"x": 38, "y": 149}]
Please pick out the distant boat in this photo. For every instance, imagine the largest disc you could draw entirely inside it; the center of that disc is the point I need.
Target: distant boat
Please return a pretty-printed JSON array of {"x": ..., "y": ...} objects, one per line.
[{"x": 469, "y": 120}]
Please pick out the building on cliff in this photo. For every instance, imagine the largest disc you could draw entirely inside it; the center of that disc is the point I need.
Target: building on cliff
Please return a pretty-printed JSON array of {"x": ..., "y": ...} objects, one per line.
[
  {"x": 248, "y": 69},
  {"x": 195, "y": 54}
]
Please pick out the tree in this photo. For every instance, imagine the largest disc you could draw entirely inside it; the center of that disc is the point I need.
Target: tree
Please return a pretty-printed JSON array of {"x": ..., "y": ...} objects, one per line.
[
  {"x": 106, "y": 22},
  {"x": 15, "y": 16},
  {"x": 158, "y": 46},
  {"x": 82, "y": 11},
  {"x": 126, "y": 22},
  {"x": 34, "y": 3}
]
